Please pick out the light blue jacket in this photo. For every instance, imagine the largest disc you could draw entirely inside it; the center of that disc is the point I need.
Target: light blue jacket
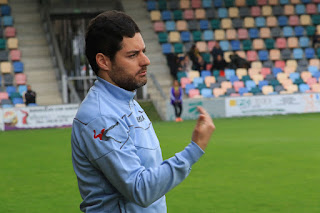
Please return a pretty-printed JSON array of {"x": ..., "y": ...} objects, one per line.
[{"x": 117, "y": 157}]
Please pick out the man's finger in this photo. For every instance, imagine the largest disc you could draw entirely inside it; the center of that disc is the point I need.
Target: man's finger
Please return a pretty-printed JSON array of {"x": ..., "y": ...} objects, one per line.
[{"x": 202, "y": 110}]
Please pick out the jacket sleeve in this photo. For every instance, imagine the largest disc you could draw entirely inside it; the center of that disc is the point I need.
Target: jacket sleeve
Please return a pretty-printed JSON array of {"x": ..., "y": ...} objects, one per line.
[{"x": 115, "y": 155}]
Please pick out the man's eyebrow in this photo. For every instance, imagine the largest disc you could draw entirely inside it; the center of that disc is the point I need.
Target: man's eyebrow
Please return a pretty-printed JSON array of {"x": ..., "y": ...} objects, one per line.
[{"x": 136, "y": 51}]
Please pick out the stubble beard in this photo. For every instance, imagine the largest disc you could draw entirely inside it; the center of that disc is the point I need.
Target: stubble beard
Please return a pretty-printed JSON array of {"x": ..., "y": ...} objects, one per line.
[{"x": 128, "y": 82}]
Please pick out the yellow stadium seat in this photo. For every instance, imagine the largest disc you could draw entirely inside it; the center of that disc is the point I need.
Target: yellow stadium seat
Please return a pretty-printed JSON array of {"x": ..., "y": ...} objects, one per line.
[{"x": 6, "y": 67}]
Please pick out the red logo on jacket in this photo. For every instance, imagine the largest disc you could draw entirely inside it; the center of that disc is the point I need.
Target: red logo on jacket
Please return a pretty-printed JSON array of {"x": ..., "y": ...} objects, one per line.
[{"x": 99, "y": 135}]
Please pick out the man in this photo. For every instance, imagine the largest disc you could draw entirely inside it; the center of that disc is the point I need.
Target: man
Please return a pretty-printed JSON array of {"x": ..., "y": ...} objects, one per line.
[
  {"x": 115, "y": 152},
  {"x": 30, "y": 96},
  {"x": 216, "y": 51}
]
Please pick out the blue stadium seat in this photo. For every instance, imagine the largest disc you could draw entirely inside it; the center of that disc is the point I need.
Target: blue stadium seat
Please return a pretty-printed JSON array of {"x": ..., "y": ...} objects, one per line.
[
  {"x": 197, "y": 81},
  {"x": 217, "y": 3},
  {"x": 206, "y": 92},
  {"x": 287, "y": 31},
  {"x": 253, "y": 33},
  {"x": 189, "y": 87},
  {"x": 22, "y": 89},
  {"x": 206, "y": 3},
  {"x": 282, "y": 21},
  {"x": 304, "y": 87},
  {"x": 283, "y": 2},
  {"x": 263, "y": 55},
  {"x": 304, "y": 42},
  {"x": 294, "y": 76},
  {"x": 5, "y": 10},
  {"x": 243, "y": 90},
  {"x": 11, "y": 89},
  {"x": 208, "y": 35},
  {"x": 18, "y": 66},
  {"x": 298, "y": 31},
  {"x": 262, "y": 83},
  {"x": 250, "y": 84},
  {"x": 166, "y": 15},
  {"x": 276, "y": 70},
  {"x": 166, "y": 48},
  {"x": 4, "y": 106},
  {"x": 235, "y": 45},
  {"x": 223, "y": 12},
  {"x": 229, "y": 73},
  {"x": 7, "y": 21},
  {"x": 313, "y": 69},
  {"x": 224, "y": 45},
  {"x": 317, "y": 75},
  {"x": 260, "y": 22},
  {"x": 309, "y": 53},
  {"x": 234, "y": 78},
  {"x": 185, "y": 36},
  {"x": 17, "y": 101},
  {"x": 205, "y": 73},
  {"x": 151, "y": 5},
  {"x": 297, "y": 53},
  {"x": 204, "y": 24},
  {"x": 170, "y": 26},
  {"x": 300, "y": 9}
]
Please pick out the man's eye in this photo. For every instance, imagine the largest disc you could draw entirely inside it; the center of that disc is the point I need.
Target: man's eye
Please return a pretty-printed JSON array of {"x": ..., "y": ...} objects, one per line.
[{"x": 133, "y": 55}]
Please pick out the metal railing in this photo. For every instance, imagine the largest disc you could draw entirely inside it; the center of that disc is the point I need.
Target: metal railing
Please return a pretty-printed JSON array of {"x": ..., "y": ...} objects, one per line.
[{"x": 67, "y": 88}]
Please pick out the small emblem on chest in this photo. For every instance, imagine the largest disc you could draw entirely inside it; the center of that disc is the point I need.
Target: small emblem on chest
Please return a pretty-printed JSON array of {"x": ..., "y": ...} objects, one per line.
[{"x": 140, "y": 118}]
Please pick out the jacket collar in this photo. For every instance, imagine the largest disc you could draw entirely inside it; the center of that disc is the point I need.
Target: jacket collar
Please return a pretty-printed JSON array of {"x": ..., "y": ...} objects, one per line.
[{"x": 115, "y": 92}]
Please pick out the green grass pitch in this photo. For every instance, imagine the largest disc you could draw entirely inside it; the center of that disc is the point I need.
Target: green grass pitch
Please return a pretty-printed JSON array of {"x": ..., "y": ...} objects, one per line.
[{"x": 255, "y": 164}]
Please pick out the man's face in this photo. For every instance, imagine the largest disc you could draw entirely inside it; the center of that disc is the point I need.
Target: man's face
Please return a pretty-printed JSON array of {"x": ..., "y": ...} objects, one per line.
[{"x": 129, "y": 67}]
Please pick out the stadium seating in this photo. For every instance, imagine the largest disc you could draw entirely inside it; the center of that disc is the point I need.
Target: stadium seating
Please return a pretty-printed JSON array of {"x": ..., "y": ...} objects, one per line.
[{"x": 274, "y": 35}]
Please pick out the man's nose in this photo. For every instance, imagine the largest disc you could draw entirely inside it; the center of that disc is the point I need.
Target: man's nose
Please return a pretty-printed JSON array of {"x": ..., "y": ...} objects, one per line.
[{"x": 145, "y": 60}]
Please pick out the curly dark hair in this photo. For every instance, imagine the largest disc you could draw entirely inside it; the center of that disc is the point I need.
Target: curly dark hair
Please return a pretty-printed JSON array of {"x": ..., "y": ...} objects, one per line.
[{"x": 105, "y": 33}]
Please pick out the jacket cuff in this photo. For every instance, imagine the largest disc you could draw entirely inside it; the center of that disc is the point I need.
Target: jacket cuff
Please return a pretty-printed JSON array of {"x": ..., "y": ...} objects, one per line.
[{"x": 192, "y": 153}]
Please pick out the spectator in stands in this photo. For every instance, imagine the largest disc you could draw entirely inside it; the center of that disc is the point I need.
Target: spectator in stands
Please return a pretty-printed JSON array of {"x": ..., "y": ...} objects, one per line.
[
  {"x": 195, "y": 57},
  {"x": 30, "y": 96},
  {"x": 237, "y": 62},
  {"x": 186, "y": 64},
  {"x": 219, "y": 63},
  {"x": 316, "y": 40},
  {"x": 115, "y": 152},
  {"x": 176, "y": 95},
  {"x": 173, "y": 62},
  {"x": 216, "y": 51}
]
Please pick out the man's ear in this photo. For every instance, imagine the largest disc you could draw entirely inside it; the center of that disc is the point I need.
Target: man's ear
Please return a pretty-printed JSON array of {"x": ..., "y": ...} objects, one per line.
[{"x": 103, "y": 62}]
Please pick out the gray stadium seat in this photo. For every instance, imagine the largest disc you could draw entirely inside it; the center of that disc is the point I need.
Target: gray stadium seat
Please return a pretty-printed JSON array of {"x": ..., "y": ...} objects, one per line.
[
  {"x": 4, "y": 55},
  {"x": 211, "y": 13},
  {"x": 268, "y": 64},
  {"x": 277, "y": 10},
  {"x": 237, "y": 23},
  {"x": 193, "y": 25},
  {"x": 8, "y": 79},
  {"x": 278, "y": 88},
  {"x": 244, "y": 12},
  {"x": 275, "y": 32},
  {"x": 286, "y": 54}
]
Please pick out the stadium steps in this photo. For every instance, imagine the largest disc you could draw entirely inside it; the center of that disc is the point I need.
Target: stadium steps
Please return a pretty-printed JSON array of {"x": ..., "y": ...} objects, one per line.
[
  {"x": 34, "y": 48},
  {"x": 158, "y": 67}
]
